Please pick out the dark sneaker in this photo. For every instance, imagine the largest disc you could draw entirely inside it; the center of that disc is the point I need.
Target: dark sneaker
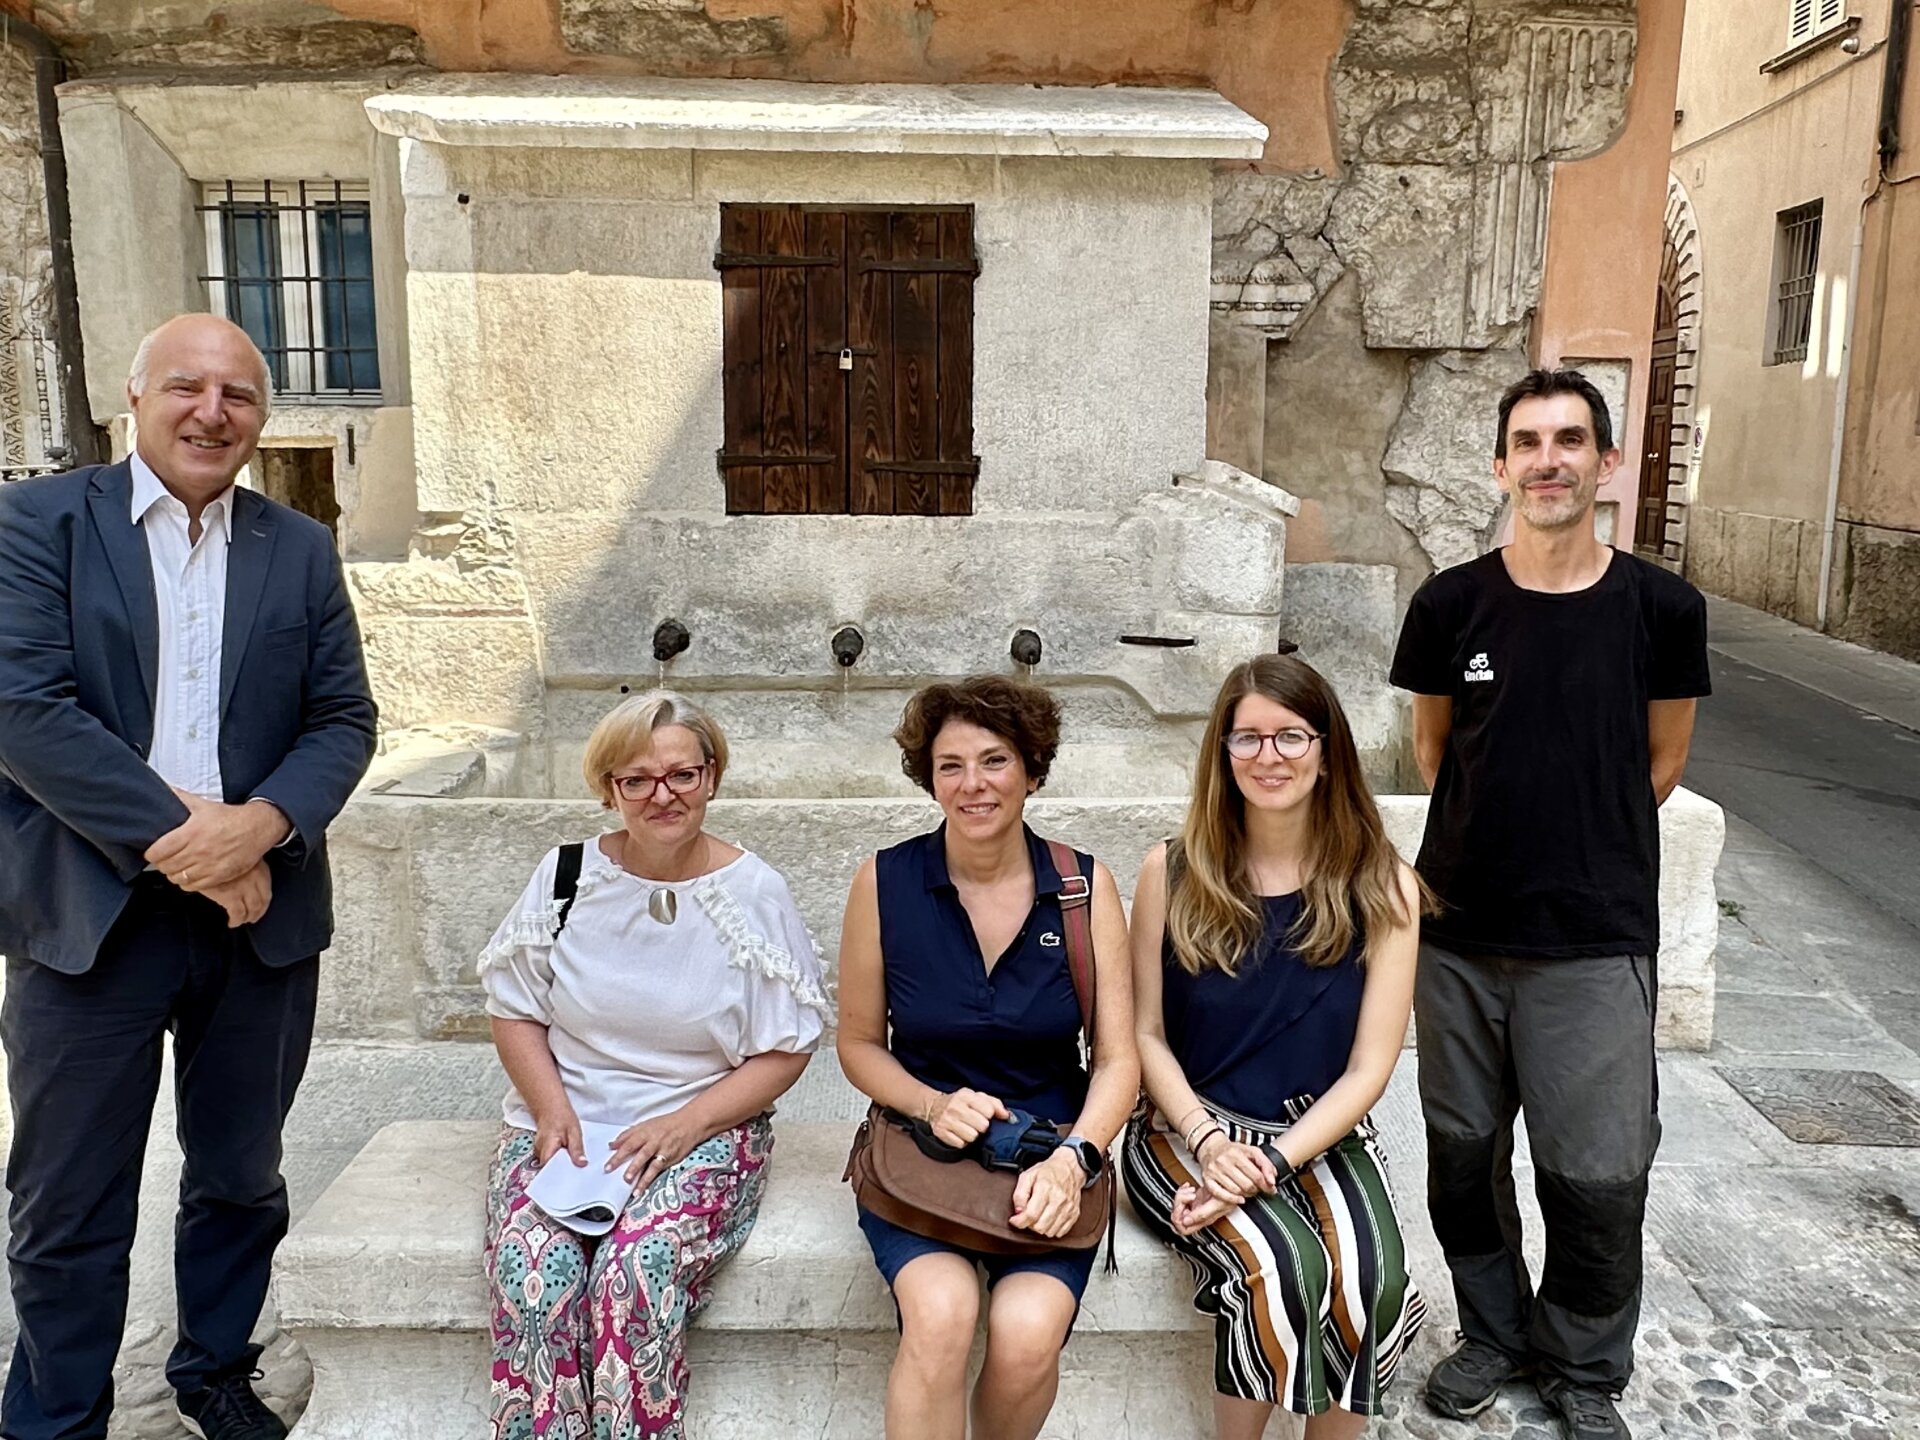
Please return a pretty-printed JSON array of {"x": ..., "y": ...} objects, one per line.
[
  {"x": 1469, "y": 1380},
  {"x": 1586, "y": 1412},
  {"x": 229, "y": 1410}
]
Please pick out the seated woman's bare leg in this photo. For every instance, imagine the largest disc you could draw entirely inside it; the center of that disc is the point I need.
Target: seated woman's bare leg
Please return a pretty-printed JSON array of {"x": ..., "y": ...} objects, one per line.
[
  {"x": 1335, "y": 1424},
  {"x": 1027, "y": 1323},
  {"x": 1237, "y": 1419},
  {"x": 939, "y": 1300}
]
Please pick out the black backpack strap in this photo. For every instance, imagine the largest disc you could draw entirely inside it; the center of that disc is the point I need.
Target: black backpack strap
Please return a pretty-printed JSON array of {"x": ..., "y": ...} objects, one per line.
[{"x": 566, "y": 881}]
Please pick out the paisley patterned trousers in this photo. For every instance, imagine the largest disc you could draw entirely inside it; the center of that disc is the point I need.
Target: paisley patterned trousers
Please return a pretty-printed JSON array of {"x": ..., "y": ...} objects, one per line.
[{"x": 590, "y": 1336}]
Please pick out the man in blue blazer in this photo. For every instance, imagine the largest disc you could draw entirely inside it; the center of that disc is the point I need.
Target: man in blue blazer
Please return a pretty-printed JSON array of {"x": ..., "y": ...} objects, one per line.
[{"x": 184, "y": 709}]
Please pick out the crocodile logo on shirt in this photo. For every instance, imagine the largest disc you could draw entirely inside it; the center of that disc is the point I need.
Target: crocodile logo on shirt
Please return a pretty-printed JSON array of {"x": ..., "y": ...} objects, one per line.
[
  {"x": 1479, "y": 668},
  {"x": 1049, "y": 938}
]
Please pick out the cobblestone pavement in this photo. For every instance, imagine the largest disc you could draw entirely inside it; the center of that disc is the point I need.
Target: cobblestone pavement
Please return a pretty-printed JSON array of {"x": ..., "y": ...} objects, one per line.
[{"x": 1715, "y": 1384}]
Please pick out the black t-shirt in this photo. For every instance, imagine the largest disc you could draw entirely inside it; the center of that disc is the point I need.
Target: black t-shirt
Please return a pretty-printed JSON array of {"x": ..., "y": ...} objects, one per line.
[{"x": 1543, "y": 837}]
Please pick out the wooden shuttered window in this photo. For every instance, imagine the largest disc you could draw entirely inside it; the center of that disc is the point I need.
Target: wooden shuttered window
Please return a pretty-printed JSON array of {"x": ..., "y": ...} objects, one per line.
[{"x": 848, "y": 360}]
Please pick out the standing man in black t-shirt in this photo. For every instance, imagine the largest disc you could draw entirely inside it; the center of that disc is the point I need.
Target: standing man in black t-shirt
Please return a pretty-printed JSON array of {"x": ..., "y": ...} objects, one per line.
[{"x": 1554, "y": 684}]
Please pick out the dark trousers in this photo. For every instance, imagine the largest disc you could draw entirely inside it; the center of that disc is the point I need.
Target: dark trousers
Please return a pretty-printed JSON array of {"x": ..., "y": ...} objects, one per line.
[
  {"x": 1570, "y": 1042},
  {"x": 84, "y": 1064}
]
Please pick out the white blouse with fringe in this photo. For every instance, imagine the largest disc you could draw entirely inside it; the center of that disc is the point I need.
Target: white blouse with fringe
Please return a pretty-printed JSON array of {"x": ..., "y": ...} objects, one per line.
[{"x": 641, "y": 1016}]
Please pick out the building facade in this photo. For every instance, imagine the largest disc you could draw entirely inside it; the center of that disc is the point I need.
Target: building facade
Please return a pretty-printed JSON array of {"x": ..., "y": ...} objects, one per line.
[
  {"x": 1241, "y": 281},
  {"x": 1793, "y": 255}
]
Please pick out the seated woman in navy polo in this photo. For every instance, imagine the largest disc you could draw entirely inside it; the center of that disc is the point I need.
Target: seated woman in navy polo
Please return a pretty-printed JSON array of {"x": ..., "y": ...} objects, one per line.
[{"x": 953, "y": 941}]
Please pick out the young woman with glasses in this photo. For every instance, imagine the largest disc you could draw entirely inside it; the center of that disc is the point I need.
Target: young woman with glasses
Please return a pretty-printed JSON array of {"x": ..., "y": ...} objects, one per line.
[
  {"x": 676, "y": 996},
  {"x": 1273, "y": 954}
]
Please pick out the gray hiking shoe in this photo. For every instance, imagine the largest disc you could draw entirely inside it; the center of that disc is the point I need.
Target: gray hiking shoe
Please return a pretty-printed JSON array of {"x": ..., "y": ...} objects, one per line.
[
  {"x": 1469, "y": 1380},
  {"x": 1586, "y": 1412}
]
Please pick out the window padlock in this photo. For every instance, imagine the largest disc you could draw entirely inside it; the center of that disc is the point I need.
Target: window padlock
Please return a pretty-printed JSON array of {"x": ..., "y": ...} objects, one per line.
[{"x": 846, "y": 359}]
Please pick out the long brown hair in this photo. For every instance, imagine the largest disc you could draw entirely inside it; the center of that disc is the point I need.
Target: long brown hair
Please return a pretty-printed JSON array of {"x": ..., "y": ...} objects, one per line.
[{"x": 1350, "y": 874}]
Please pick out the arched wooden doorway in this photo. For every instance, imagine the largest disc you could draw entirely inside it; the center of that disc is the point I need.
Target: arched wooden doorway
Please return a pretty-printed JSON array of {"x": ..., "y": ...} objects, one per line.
[{"x": 1666, "y": 443}]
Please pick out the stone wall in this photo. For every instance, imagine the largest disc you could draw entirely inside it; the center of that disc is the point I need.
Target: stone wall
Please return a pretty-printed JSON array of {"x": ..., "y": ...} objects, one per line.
[
  {"x": 30, "y": 417},
  {"x": 1877, "y": 589},
  {"x": 1770, "y": 562},
  {"x": 1415, "y": 269},
  {"x": 421, "y": 884}
]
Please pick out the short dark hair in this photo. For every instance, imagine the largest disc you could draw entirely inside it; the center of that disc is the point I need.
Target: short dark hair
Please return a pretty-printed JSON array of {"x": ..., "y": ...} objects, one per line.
[
  {"x": 1537, "y": 385},
  {"x": 1026, "y": 716}
]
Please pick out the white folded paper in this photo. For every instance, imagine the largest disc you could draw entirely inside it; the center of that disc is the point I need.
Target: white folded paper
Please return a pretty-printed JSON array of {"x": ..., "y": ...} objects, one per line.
[{"x": 584, "y": 1198}]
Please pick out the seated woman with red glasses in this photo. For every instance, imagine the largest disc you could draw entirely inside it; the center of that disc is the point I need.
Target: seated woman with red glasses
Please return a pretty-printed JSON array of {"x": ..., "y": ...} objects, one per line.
[{"x": 659, "y": 980}]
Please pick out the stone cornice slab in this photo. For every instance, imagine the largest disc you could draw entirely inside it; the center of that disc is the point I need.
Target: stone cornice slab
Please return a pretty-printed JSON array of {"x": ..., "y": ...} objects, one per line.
[{"x": 770, "y": 115}]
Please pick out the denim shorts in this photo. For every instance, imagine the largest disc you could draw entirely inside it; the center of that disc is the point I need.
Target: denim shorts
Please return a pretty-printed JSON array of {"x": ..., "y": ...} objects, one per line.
[{"x": 893, "y": 1248}]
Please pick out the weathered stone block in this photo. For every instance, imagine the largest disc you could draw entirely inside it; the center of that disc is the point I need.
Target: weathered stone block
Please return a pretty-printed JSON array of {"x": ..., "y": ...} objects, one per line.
[
  {"x": 665, "y": 32},
  {"x": 1345, "y": 620},
  {"x": 1400, "y": 226},
  {"x": 369, "y": 975},
  {"x": 1552, "y": 86},
  {"x": 1439, "y": 463},
  {"x": 425, "y": 669}
]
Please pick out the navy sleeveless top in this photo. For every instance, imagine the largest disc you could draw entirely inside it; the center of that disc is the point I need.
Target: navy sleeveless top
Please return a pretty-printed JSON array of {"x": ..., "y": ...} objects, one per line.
[
  {"x": 1278, "y": 1030},
  {"x": 1015, "y": 1033}
]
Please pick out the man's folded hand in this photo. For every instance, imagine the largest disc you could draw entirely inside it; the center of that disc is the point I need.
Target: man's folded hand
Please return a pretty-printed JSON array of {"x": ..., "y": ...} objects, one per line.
[
  {"x": 245, "y": 900},
  {"x": 216, "y": 845}
]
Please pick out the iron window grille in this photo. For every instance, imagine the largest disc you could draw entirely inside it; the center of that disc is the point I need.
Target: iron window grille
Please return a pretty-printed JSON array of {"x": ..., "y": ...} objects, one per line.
[
  {"x": 1808, "y": 18},
  {"x": 1798, "y": 263},
  {"x": 292, "y": 265}
]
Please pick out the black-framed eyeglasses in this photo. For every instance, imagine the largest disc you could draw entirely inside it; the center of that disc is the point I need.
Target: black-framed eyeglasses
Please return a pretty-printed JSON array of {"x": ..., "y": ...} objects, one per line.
[
  {"x": 683, "y": 781},
  {"x": 1287, "y": 744}
]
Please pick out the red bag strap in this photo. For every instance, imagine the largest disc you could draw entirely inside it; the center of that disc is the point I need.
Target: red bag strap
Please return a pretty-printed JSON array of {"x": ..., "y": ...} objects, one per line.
[{"x": 1076, "y": 916}]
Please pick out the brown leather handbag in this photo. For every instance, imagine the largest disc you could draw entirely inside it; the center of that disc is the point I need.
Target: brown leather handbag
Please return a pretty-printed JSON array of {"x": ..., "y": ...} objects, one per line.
[{"x": 964, "y": 1203}]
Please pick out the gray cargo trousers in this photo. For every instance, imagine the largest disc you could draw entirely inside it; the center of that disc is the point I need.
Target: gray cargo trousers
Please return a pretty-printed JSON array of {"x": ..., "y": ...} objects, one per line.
[{"x": 1570, "y": 1042}]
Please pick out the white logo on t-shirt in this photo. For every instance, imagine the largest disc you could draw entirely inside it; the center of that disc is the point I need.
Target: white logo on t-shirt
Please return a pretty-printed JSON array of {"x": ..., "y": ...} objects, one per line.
[
  {"x": 1479, "y": 668},
  {"x": 1049, "y": 938}
]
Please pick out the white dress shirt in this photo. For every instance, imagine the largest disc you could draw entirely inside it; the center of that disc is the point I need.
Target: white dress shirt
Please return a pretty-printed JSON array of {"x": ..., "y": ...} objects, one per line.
[{"x": 190, "y": 592}]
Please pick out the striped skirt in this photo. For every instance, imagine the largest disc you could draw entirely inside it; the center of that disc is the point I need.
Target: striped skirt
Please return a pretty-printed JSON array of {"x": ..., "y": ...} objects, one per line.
[{"x": 1309, "y": 1290}]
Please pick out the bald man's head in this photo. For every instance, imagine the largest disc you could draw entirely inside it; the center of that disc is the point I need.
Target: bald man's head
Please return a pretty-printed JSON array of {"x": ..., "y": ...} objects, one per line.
[
  {"x": 200, "y": 392},
  {"x": 192, "y": 323}
]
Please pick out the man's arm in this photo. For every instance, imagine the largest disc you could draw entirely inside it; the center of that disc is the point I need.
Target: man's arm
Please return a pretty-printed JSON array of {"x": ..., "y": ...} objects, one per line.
[
  {"x": 1669, "y": 737},
  {"x": 90, "y": 779},
  {"x": 311, "y": 785},
  {"x": 1432, "y": 724}
]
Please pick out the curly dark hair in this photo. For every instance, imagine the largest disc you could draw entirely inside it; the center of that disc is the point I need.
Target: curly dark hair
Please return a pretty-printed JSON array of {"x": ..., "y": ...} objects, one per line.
[{"x": 1026, "y": 716}]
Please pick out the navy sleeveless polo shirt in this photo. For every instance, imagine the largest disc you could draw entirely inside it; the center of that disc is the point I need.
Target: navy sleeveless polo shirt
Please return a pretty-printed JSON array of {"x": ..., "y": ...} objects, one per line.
[
  {"x": 1278, "y": 1030},
  {"x": 1014, "y": 1034}
]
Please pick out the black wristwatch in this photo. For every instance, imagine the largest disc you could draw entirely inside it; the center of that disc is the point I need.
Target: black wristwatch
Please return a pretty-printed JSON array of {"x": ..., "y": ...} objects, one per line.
[{"x": 1092, "y": 1160}]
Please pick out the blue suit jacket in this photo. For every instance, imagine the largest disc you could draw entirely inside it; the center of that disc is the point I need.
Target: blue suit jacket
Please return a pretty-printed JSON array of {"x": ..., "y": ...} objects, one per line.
[{"x": 79, "y": 652}]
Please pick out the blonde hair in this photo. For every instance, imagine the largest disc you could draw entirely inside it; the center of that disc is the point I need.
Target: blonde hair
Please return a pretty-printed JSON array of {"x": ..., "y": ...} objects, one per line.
[
  {"x": 1350, "y": 875},
  {"x": 628, "y": 728}
]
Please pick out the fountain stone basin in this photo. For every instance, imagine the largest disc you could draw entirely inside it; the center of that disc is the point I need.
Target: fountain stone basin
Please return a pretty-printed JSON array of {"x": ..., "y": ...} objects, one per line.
[{"x": 420, "y": 884}]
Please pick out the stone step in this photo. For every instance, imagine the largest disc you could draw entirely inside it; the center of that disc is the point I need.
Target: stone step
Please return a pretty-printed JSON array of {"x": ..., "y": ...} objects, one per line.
[{"x": 381, "y": 1282}]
